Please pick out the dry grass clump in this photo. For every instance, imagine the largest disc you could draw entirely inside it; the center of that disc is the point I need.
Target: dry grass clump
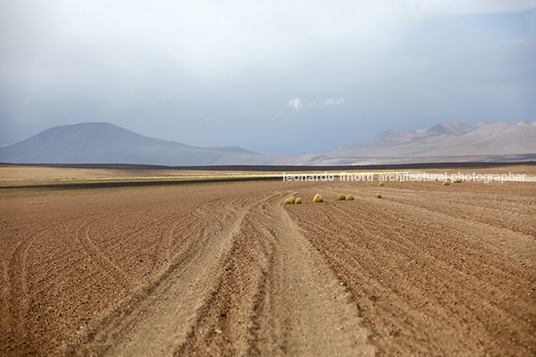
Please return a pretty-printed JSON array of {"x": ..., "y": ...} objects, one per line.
[
  {"x": 446, "y": 183},
  {"x": 381, "y": 183},
  {"x": 290, "y": 201},
  {"x": 378, "y": 195},
  {"x": 298, "y": 201},
  {"x": 457, "y": 180},
  {"x": 341, "y": 197},
  {"x": 318, "y": 198},
  {"x": 36, "y": 203},
  {"x": 349, "y": 198}
]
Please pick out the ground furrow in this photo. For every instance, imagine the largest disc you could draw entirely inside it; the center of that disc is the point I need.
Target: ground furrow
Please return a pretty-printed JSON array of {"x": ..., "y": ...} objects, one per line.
[
  {"x": 308, "y": 309},
  {"x": 18, "y": 301},
  {"x": 157, "y": 318},
  {"x": 225, "y": 324},
  {"x": 108, "y": 267}
]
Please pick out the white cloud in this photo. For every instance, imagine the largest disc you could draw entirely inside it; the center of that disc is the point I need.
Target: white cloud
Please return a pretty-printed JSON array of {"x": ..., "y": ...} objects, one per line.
[
  {"x": 334, "y": 101},
  {"x": 296, "y": 103}
]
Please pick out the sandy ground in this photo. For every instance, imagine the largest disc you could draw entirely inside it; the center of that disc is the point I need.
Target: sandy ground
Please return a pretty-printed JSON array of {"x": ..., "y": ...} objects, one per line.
[
  {"x": 21, "y": 173},
  {"x": 227, "y": 269}
]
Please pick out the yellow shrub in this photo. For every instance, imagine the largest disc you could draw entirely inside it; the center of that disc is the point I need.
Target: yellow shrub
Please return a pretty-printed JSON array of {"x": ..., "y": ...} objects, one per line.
[{"x": 290, "y": 201}]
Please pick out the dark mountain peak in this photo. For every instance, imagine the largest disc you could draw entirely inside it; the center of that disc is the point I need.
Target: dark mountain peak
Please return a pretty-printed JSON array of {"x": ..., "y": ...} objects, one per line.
[
  {"x": 97, "y": 133},
  {"x": 480, "y": 123},
  {"x": 449, "y": 129},
  {"x": 108, "y": 143},
  {"x": 523, "y": 124},
  {"x": 396, "y": 134}
]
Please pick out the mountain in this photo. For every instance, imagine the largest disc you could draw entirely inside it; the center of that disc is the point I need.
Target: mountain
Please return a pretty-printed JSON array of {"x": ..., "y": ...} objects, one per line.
[
  {"x": 108, "y": 143},
  {"x": 442, "y": 142},
  {"x": 104, "y": 143}
]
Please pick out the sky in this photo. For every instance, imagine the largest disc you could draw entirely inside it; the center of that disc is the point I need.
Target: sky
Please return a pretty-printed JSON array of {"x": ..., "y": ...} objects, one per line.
[{"x": 275, "y": 77}]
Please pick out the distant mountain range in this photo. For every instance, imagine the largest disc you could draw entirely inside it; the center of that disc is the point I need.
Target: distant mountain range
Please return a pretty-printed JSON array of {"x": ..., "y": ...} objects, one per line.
[
  {"x": 109, "y": 144},
  {"x": 443, "y": 142}
]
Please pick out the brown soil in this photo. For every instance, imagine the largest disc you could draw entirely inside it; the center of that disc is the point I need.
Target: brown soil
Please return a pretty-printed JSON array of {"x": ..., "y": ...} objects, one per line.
[
  {"x": 36, "y": 173},
  {"x": 228, "y": 269}
]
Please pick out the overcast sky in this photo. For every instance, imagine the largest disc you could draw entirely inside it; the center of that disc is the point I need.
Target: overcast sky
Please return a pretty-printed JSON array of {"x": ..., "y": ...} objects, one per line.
[{"x": 276, "y": 77}]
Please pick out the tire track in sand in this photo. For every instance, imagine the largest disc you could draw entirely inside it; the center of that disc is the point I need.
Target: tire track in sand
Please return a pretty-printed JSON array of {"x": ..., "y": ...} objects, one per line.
[
  {"x": 276, "y": 297},
  {"x": 108, "y": 267},
  {"x": 164, "y": 245},
  {"x": 157, "y": 319},
  {"x": 249, "y": 284},
  {"x": 318, "y": 317},
  {"x": 18, "y": 302}
]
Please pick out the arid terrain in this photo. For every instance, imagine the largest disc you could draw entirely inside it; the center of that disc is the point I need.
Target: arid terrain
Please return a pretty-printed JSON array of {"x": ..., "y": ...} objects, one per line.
[{"x": 226, "y": 269}]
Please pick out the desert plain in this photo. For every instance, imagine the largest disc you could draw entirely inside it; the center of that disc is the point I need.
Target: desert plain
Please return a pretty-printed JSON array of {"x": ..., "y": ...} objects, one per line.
[{"x": 226, "y": 269}]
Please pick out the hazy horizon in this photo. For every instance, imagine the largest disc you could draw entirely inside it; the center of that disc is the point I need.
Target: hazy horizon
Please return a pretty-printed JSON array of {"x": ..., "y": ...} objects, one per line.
[{"x": 276, "y": 78}]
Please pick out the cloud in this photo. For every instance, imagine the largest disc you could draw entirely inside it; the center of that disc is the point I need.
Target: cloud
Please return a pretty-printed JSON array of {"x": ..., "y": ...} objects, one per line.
[
  {"x": 296, "y": 103},
  {"x": 123, "y": 62},
  {"x": 334, "y": 101}
]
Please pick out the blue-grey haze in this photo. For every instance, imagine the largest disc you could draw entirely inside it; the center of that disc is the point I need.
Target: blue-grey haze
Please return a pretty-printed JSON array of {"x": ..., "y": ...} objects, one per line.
[{"x": 277, "y": 77}]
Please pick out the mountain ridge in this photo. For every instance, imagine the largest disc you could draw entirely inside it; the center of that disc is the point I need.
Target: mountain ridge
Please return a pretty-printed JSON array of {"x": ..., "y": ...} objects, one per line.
[
  {"x": 447, "y": 139},
  {"x": 106, "y": 143},
  {"x": 99, "y": 142}
]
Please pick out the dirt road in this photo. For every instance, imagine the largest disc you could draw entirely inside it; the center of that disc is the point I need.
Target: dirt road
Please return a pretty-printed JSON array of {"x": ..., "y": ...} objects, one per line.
[{"x": 230, "y": 270}]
